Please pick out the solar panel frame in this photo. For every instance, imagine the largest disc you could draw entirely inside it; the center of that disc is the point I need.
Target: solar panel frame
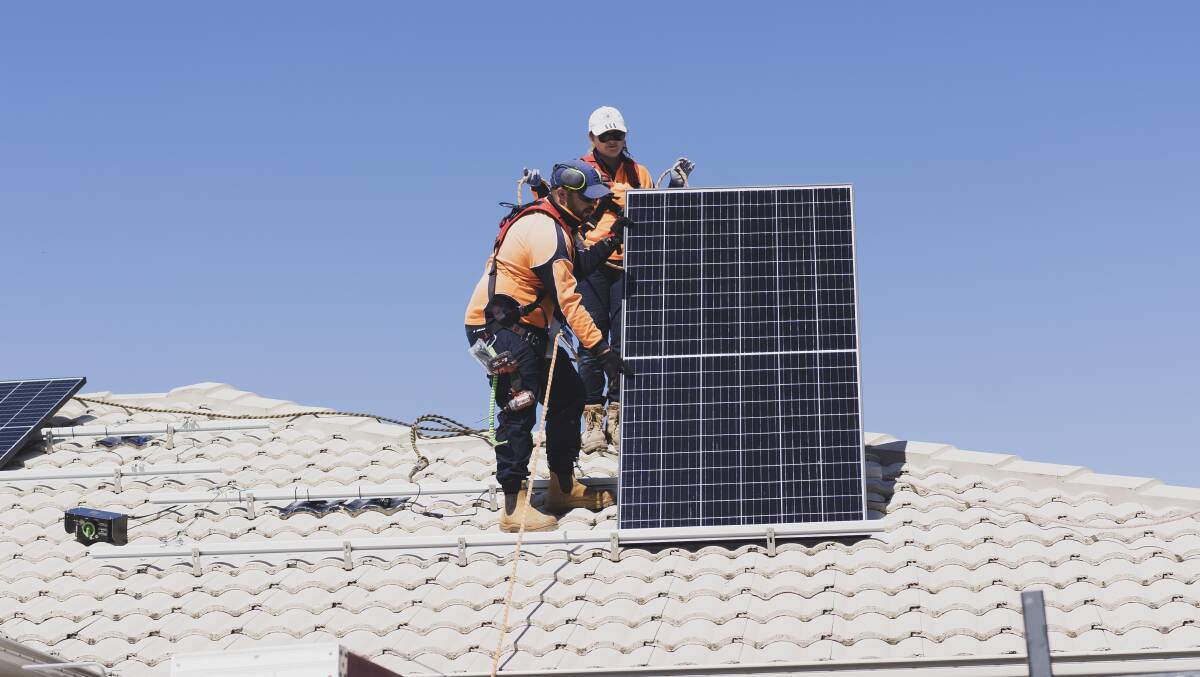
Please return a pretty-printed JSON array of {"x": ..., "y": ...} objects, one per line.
[
  {"x": 691, "y": 526},
  {"x": 26, "y": 405}
]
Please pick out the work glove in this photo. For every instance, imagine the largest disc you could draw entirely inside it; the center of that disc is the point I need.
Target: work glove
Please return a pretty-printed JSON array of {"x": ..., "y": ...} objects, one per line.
[
  {"x": 532, "y": 177},
  {"x": 680, "y": 172},
  {"x": 613, "y": 365},
  {"x": 618, "y": 229}
]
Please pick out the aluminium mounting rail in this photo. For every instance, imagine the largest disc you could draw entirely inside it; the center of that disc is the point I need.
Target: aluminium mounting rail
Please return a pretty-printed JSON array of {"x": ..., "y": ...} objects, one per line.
[
  {"x": 304, "y": 493},
  {"x": 56, "y": 434},
  {"x": 451, "y": 543},
  {"x": 108, "y": 472}
]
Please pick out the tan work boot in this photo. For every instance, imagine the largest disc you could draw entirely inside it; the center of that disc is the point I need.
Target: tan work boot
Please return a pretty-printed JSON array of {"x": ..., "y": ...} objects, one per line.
[
  {"x": 580, "y": 496},
  {"x": 535, "y": 520},
  {"x": 593, "y": 429},
  {"x": 614, "y": 424}
]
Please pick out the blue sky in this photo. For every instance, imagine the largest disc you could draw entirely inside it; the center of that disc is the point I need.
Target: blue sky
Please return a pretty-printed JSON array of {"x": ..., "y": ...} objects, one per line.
[{"x": 297, "y": 198}]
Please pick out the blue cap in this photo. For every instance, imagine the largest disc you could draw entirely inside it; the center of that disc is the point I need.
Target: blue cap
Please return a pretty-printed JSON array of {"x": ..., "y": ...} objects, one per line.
[{"x": 567, "y": 175}]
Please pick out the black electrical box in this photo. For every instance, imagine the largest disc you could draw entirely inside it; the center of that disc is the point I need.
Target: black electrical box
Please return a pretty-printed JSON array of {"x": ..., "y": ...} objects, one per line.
[{"x": 97, "y": 526}]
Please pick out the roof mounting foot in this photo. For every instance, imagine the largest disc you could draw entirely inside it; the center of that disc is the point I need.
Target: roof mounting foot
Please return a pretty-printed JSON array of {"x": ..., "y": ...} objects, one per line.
[
  {"x": 117, "y": 479},
  {"x": 47, "y": 440},
  {"x": 770, "y": 541},
  {"x": 614, "y": 550},
  {"x": 170, "y": 442},
  {"x": 250, "y": 505},
  {"x": 196, "y": 561},
  {"x": 492, "y": 497},
  {"x": 462, "y": 551},
  {"x": 347, "y": 562}
]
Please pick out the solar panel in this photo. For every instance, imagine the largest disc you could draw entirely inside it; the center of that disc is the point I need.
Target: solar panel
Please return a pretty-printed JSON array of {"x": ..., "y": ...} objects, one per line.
[
  {"x": 740, "y": 319},
  {"x": 25, "y": 406}
]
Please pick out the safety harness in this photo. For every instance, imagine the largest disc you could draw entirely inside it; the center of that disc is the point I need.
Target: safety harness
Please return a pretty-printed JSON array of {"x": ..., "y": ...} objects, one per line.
[
  {"x": 607, "y": 203},
  {"x": 502, "y": 311}
]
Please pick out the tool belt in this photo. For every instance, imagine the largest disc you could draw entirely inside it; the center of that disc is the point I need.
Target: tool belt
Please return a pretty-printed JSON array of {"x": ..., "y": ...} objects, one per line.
[{"x": 536, "y": 337}]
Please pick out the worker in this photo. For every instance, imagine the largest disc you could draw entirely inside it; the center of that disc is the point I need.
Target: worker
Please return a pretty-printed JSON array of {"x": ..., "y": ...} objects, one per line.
[
  {"x": 527, "y": 283},
  {"x": 603, "y": 289}
]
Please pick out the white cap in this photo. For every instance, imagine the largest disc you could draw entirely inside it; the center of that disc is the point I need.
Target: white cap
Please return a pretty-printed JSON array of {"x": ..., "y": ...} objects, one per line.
[{"x": 606, "y": 119}]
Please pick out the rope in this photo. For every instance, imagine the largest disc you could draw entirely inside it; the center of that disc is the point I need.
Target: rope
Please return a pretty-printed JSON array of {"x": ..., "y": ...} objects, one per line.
[
  {"x": 512, "y": 577},
  {"x": 664, "y": 175},
  {"x": 439, "y": 427}
]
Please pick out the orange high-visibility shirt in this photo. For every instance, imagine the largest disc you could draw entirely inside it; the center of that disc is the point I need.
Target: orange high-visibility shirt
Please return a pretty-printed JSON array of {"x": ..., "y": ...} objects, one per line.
[
  {"x": 536, "y": 254},
  {"x": 619, "y": 184}
]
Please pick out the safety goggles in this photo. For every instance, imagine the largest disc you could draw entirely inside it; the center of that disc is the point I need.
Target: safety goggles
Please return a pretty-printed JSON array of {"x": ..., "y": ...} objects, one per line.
[{"x": 613, "y": 135}]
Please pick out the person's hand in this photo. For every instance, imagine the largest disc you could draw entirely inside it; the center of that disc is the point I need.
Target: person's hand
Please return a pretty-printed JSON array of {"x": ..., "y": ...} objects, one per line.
[
  {"x": 618, "y": 228},
  {"x": 613, "y": 365},
  {"x": 532, "y": 177},
  {"x": 680, "y": 172}
]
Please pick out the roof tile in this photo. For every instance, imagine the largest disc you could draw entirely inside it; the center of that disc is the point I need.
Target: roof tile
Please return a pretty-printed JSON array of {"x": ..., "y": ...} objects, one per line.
[{"x": 966, "y": 531}]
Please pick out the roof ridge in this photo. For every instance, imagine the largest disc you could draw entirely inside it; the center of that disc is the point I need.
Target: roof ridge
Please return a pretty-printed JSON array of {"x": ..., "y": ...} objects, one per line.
[{"x": 933, "y": 455}]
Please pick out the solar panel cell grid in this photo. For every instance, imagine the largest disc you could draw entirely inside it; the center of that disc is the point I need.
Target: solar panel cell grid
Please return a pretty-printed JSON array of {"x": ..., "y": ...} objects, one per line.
[
  {"x": 27, "y": 405},
  {"x": 740, "y": 321}
]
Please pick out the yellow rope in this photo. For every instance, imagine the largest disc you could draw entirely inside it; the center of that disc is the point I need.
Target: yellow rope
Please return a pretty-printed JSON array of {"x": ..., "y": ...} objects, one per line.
[{"x": 524, "y": 508}]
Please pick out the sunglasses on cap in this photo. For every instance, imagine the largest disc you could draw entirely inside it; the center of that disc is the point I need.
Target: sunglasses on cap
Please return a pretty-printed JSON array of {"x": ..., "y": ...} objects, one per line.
[{"x": 613, "y": 135}]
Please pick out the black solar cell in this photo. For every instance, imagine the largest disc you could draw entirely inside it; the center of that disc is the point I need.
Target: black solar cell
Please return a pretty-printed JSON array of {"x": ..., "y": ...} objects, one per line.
[
  {"x": 26, "y": 405},
  {"x": 740, "y": 320}
]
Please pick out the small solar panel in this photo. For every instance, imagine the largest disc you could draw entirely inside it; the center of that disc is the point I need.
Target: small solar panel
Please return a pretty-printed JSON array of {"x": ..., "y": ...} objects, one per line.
[
  {"x": 25, "y": 406},
  {"x": 740, "y": 319}
]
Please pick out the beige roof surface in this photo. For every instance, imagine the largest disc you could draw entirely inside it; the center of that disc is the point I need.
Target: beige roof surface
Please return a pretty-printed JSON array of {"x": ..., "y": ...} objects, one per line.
[{"x": 965, "y": 532}]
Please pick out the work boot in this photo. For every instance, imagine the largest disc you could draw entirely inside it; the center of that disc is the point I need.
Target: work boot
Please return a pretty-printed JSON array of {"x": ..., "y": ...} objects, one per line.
[
  {"x": 578, "y": 496},
  {"x": 535, "y": 520},
  {"x": 593, "y": 429},
  {"x": 614, "y": 424}
]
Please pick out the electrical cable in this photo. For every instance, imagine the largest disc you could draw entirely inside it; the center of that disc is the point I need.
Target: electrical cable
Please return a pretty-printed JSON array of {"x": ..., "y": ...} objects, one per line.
[
  {"x": 437, "y": 426},
  {"x": 217, "y": 491},
  {"x": 142, "y": 519}
]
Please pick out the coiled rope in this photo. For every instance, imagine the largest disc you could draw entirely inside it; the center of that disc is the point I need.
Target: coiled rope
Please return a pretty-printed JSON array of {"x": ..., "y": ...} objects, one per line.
[
  {"x": 524, "y": 508},
  {"x": 426, "y": 427}
]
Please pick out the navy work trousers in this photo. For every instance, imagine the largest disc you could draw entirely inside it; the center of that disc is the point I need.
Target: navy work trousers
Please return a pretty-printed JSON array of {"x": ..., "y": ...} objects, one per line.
[
  {"x": 514, "y": 432},
  {"x": 602, "y": 292}
]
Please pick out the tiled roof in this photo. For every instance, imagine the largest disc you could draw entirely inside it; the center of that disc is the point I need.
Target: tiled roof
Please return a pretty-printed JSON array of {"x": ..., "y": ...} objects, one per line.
[{"x": 965, "y": 532}]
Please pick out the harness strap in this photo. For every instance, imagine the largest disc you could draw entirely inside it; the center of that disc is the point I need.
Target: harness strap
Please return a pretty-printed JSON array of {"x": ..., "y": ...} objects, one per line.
[
  {"x": 506, "y": 319},
  {"x": 607, "y": 203}
]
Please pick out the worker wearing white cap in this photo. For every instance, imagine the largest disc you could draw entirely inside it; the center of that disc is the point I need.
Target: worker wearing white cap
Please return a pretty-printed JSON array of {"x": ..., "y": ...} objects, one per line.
[{"x": 603, "y": 288}]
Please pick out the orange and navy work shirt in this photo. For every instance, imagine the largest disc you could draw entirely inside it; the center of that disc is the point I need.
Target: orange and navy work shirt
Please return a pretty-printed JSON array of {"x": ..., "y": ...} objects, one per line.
[
  {"x": 620, "y": 182},
  {"x": 537, "y": 254}
]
